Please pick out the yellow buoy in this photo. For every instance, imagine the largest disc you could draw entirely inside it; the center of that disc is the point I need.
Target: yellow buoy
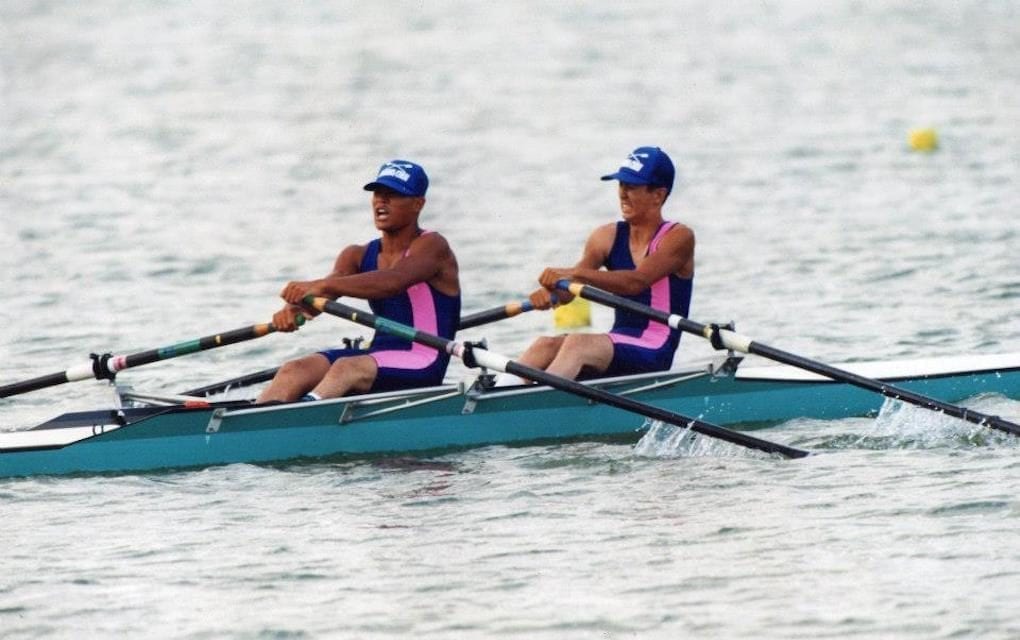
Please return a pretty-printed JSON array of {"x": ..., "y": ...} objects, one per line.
[
  {"x": 923, "y": 139},
  {"x": 574, "y": 314}
]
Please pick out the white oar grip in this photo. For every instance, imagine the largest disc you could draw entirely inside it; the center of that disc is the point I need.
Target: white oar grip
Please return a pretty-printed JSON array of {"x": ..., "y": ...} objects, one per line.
[
  {"x": 490, "y": 360},
  {"x": 734, "y": 341},
  {"x": 82, "y": 372}
]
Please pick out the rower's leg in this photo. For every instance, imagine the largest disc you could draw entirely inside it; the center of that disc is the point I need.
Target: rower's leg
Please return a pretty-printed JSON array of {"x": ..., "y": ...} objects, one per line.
[
  {"x": 542, "y": 352},
  {"x": 295, "y": 378},
  {"x": 579, "y": 350},
  {"x": 538, "y": 355},
  {"x": 355, "y": 373}
]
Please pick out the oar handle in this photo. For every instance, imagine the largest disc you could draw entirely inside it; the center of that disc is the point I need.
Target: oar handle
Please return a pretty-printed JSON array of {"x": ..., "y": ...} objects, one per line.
[
  {"x": 726, "y": 339},
  {"x": 474, "y": 357},
  {"x": 496, "y": 313},
  {"x": 508, "y": 310}
]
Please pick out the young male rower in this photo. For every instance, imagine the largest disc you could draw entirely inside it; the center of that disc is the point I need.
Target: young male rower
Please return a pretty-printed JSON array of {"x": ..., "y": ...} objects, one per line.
[
  {"x": 642, "y": 257},
  {"x": 408, "y": 275}
]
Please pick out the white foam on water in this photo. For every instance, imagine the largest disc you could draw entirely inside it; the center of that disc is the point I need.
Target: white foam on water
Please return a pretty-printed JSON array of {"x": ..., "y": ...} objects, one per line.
[
  {"x": 663, "y": 440},
  {"x": 906, "y": 426}
]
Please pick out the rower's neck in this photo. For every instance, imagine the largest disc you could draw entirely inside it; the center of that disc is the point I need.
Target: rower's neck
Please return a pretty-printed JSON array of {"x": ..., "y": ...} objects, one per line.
[
  {"x": 642, "y": 232},
  {"x": 398, "y": 241}
]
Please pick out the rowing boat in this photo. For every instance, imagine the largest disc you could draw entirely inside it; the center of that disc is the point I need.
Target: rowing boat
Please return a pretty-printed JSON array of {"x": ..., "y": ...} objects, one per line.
[{"x": 145, "y": 432}]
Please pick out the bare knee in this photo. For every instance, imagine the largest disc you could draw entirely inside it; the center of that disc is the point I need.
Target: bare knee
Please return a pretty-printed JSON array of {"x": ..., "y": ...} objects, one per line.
[
  {"x": 542, "y": 351},
  {"x": 295, "y": 377},
  {"x": 293, "y": 368},
  {"x": 581, "y": 350},
  {"x": 574, "y": 341},
  {"x": 346, "y": 375}
]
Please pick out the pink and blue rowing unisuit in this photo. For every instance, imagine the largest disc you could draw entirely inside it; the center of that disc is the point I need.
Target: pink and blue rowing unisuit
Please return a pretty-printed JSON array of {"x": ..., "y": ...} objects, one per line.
[
  {"x": 640, "y": 344},
  {"x": 404, "y": 364}
]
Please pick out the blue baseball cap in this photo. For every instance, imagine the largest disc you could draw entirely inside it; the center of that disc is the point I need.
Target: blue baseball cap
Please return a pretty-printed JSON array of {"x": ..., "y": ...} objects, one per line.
[
  {"x": 646, "y": 165},
  {"x": 403, "y": 177}
]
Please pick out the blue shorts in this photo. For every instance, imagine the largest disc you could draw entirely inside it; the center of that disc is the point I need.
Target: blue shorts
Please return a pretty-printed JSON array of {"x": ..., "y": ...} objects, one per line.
[
  {"x": 399, "y": 368},
  {"x": 628, "y": 359}
]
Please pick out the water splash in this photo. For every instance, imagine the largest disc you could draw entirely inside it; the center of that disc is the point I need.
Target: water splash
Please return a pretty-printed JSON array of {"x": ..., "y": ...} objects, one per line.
[
  {"x": 900, "y": 425},
  {"x": 664, "y": 440}
]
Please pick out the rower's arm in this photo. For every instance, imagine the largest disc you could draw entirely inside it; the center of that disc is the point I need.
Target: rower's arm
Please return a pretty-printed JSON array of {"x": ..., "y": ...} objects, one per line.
[
  {"x": 348, "y": 262},
  {"x": 675, "y": 254},
  {"x": 596, "y": 250},
  {"x": 424, "y": 261}
]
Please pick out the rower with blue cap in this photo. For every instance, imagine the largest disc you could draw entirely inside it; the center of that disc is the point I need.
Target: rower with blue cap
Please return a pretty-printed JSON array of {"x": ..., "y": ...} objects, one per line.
[
  {"x": 642, "y": 257},
  {"x": 408, "y": 275}
]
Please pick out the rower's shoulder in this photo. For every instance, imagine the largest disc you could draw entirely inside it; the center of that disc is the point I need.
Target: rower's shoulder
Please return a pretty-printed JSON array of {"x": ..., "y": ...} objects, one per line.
[
  {"x": 608, "y": 227},
  {"x": 603, "y": 233},
  {"x": 680, "y": 231},
  {"x": 353, "y": 251},
  {"x": 349, "y": 258},
  {"x": 432, "y": 239}
]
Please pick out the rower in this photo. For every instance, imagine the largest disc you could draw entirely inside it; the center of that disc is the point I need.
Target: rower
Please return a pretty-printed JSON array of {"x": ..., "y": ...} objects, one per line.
[
  {"x": 643, "y": 257},
  {"x": 408, "y": 275}
]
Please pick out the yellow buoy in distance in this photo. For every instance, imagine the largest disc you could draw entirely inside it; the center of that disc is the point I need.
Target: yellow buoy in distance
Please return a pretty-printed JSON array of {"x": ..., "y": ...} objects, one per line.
[
  {"x": 923, "y": 139},
  {"x": 573, "y": 315}
]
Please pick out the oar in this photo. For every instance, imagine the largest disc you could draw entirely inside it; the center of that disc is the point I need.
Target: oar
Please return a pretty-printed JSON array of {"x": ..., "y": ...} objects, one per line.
[
  {"x": 508, "y": 310},
  {"x": 726, "y": 339},
  {"x": 475, "y": 357},
  {"x": 106, "y": 365},
  {"x": 501, "y": 312}
]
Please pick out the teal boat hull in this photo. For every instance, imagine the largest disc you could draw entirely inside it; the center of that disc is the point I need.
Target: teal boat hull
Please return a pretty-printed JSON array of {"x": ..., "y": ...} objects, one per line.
[{"x": 442, "y": 418}]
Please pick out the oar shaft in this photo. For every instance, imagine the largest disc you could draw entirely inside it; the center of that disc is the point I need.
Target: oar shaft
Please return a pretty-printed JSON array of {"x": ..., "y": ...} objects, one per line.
[
  {"x": 731, "y": 340},
  {"x": 42, "y": 382},
  {"x": 884, "y": 388},
  {"x": 192, "y": 346},
  {"x": 508, "y": 310},
  {"x": 496, "y": 313},
  {"x": 106, "y": 366},
  {"x": 488, "y": 359}
]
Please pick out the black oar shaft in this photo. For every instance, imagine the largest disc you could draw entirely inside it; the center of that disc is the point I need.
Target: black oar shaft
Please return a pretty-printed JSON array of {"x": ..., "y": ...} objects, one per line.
[
  {"x": 49, "y": 380},
  {"x": 731, "y": 340},
  {"x": 497, "y": 362},
  {"x": 199, "y": 344},
  {"x": 106, "y": 366},
  {"x": 496, "y": 313},
  {"x": 884, "y": 388}
]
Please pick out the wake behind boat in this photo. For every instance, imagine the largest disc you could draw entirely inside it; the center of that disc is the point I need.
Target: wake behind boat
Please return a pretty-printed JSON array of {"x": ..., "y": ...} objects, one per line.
[{"x": 145, "y": 432}]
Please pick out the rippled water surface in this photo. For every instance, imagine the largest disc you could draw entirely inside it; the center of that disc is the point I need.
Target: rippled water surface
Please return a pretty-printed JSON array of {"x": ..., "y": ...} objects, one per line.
[{"x": 165, "y": 167}]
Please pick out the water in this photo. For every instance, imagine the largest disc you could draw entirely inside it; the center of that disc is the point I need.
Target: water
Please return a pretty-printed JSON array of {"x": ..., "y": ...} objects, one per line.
[{"x": 164, "y": 169}]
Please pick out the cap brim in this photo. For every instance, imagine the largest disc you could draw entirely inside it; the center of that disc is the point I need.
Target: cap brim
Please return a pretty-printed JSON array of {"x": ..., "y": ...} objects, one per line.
[
  {"x": 627, "y": 178},
  {"x": 394, "y": 185}
]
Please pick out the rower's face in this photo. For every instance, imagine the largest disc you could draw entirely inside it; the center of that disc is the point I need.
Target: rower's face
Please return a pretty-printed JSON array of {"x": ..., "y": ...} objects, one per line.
[
  {"x": 392, "y": 210},
  {"x": 638, "y": 199}
]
